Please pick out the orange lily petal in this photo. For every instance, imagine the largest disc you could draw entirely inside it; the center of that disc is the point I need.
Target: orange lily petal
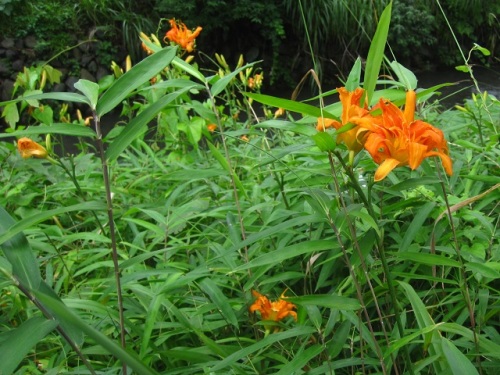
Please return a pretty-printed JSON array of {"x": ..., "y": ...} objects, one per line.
[{"x": 385, "y": 168}]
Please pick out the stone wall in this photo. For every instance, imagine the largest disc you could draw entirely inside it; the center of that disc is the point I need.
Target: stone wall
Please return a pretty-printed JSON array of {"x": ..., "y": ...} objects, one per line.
[{"x": 15, "y": 54}]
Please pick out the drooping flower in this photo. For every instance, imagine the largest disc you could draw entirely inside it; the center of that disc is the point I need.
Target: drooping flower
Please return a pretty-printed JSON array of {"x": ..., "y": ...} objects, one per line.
[
  {"x": 29, "y": 148},
  {"x": 396, "y": 139},
  {"x": 275, "y": 310},
  {"x": 211, "y": 127},
  {"x": 351, "y": 109},
  {"x": 180, "y": 34}
]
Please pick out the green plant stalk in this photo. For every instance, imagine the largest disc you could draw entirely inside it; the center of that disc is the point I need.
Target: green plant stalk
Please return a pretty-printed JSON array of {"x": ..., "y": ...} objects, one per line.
[
  {"x": 228, "y": 159},
  {"x": 383, "y": 259},
  {"x": 463, "y": 275},
  {"x": 112, "y": 233},
  {"x": 49, "y": 316},
  {"x": 79, "y": 190},
  {"x": 363, "y": 264}
]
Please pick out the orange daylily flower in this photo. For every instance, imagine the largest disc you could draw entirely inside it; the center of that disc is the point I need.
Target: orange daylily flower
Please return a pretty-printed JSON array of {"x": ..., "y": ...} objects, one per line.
[
  {"x": 396, "y": 139},
  {"x": 351, "y": 110},
  {"x": 180, "y": 34},
  {"x": 276, "y": 310},
  {"x": 29, "y": 148}
]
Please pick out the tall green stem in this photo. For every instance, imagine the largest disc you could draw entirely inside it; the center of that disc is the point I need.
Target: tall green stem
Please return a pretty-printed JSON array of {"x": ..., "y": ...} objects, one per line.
[
  {"x": 381, "y": 251},
  {"x": 112, "y": 234}
]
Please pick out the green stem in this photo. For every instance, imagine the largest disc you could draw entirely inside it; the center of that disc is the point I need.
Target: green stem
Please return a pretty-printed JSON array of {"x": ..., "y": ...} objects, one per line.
[
  {"x": 112, "y": 233},
  {"x": 381, "y": 251}
]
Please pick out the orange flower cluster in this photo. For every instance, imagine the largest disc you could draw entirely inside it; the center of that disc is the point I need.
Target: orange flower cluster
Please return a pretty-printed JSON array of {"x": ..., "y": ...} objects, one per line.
[
  {"x": 181, "y": 35},
  {"x": 391, "y": 136},
  {"x": 276, "y": 310},
  {"x": 29, "y": 148}
]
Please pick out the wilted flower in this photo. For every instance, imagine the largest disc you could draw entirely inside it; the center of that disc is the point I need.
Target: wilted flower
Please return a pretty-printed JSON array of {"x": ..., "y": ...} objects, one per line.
[
  {"x": 181, "y": 35},
  {"x": 29, "y": 148}
]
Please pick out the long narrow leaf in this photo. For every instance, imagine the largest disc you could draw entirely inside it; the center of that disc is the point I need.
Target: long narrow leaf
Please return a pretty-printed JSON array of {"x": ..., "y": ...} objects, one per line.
[
  {"x": 376, "y": 52},
  {"x": 209, "y": 287},
  {"x": 222, "y": 83},
  {"x": 18, "y": 227},
  {"x": 65, "y": 314},
  {"x": 64, "y": 129},
  {"x": 291, "y": 105},
  {"x": 459, "y": 363},
  {"x": 16, "y": 344},
  {"x": 62, "y": 96},
  {"x": 138, "y": 125},
  {"x": 18, "y": 252},
  {"x": 267, "y": 341},
  {"x": 134, "y": 78},
  {"x": 424, "y": 320}
]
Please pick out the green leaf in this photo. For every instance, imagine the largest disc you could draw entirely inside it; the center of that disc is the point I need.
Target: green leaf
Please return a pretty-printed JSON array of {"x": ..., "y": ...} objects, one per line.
[
  {"x": 262, "y": 344},
  {"x": 458, "y": 362},
  {"x": 134, "y": 78},
  {"x": 11, "y": 114},
  {"x": 339, "y": 339},
  {"x": 324, "y": 141},
  {"x": 288, "y": 126},
  {"x": 376, "y": 52},
  {"x": 463, "y": 68},
  {"x": 412, "y": 183},
  {"x": 327, "y": 300},
  {"x": 484, "y": 51},
  {"x": 424, "y": 320},
  {"x": 222, "y": 83},
  {"x": 138, "y": 124},
  {"x": 58, "y": 128},
  {"x": 288, "y": 252},
  {"x": 354, "y": 78},
  {"x": 12, "y": 230},
  {"x": 300, "y": 360},
  {"x": 483, "y": 269},
  {"x": 216, "y": 295},
  {"x": 17, "y": 343},
  {"x": 291, "y": 105},
  {"x": 188, "y": 68},
  {"x": 404, "y": 75},
  {"x": 18, "y": 252},
  {"x": 89, "y": 89},
  {"x": 224, "y": 163},
  {"x": 416, "y": 225},
  {"x": 62, "y": 96},
  {"x": 428, "y": 259},
  {"x": 65, "y": 314}
]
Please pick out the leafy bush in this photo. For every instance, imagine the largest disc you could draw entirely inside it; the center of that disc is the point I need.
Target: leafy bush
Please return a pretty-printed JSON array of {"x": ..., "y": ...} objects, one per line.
[{"x": 199, "y": 237}]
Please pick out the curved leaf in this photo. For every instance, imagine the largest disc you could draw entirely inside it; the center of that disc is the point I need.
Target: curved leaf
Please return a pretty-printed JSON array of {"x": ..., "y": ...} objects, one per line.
[
  {"x": 16, "y": 343},
  {"x": 134, "y": 78}
]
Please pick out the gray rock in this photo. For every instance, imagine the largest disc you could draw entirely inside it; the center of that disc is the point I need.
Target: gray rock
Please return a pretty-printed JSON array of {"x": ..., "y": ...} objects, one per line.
[
  {"x": 30, "y": 41},
  {"x": 70, "y": 83},
  {"x": 92, "y": 66},
  {"x": 7, "y": 43},
  {"x": 6, "y": 90},
  {"x": 18, "y": 65},
  {"x": 101, "y": 72},
  {"x": 85, "y": 74}
]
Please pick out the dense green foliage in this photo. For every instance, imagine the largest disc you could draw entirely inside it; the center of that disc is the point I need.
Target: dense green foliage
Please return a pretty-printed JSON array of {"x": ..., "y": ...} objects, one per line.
[
  {"x": 272, "y": 31},
  {"x": 141, "y": 248}
]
